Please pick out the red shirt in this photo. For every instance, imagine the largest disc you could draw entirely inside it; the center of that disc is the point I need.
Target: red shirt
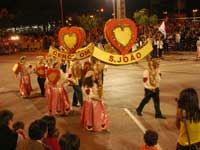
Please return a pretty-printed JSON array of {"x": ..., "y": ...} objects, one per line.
[
  {"x": 52, "y": 142},
  {"x": 148, "y": 148}
]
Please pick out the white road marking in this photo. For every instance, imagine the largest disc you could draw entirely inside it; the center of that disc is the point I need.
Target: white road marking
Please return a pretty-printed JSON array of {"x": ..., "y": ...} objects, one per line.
[{"x": 137, "y": 122}]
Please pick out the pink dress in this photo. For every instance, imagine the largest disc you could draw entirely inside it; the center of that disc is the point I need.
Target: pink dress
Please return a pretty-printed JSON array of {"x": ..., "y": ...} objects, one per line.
[
  {"x": 93, "y": 115},
  {"x": 25, "y": 87},
  {"x": 63, "y": 104},
  {"x": 57, "y": 98},
  {"x": 198, "y": 51},
  {"x": 51, "y": 93}
]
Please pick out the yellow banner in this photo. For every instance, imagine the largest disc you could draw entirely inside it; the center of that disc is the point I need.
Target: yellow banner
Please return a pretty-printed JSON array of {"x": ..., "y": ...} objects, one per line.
[
  {"x": 109, "y": 58},
  {"x": 123, "y": 59},
  {"x": 80, "y": 53}
]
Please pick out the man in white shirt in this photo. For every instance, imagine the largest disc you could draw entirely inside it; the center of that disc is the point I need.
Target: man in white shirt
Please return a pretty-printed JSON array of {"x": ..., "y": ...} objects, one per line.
[{"x": 151, "y": 79}]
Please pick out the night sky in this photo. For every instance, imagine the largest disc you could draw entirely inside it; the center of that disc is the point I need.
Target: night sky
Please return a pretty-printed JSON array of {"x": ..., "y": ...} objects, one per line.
[{"x": 49, "y": 9}]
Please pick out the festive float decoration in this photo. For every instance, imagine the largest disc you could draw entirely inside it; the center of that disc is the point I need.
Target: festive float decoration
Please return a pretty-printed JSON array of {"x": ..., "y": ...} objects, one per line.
[
  {"x": 71, "y": 38},
  {"x": 121, "y": 33},
  {"x": 53, "y": 75},
  {"x": 81, "y": 53},
  {"x": 115, "y": 59}
]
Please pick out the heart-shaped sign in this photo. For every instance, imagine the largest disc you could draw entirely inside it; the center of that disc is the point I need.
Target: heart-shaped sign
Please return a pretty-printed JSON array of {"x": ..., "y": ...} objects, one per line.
[
  {"x": 53, "y": 75},
  {"x": 71, "y": 38},
  {"x": 121, "y": 33}
]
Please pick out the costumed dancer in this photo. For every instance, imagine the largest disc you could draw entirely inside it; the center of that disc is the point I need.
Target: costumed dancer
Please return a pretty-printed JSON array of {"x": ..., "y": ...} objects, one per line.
[
  {"x": 51, "y": 91},
  {"x": 99, "y": 70},
  {"x": 63, "y": 103},
  {"x": 75, "y": 79},
  {"x": 57, "y": 97},
  {"x": 93, "y": 115},
  {"x": 22, "y": 71},
  {"x": 151, "y": 79},
  {"x": 41, "y": 73},
  {"x": 86, "y": 67}
]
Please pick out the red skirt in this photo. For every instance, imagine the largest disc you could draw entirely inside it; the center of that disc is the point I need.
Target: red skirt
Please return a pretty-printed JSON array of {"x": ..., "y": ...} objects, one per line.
[
  {"x": 94, "y": 116},
  {"x": 25, "y": 87}
]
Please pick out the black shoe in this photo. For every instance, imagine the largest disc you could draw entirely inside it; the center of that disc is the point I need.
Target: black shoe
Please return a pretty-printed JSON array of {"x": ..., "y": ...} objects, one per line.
[
  {"x": 138, "y": 112},
  {"x": 160, "y": 117}
]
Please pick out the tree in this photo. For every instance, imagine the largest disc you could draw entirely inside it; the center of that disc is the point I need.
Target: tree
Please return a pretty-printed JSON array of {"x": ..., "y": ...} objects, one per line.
[
  {"x": 153, "y": 20},
  {"x": 91, "y": 24},
  {"x": 143, "y": 19},
  {"x": 88, "y": 22}
]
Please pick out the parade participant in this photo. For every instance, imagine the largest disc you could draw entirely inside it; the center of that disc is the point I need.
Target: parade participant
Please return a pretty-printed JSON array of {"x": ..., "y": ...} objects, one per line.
[
  {"x": 151, "y": 79},
  {"x": 198, "y": 48},
  {"x": 51, "y": 92},
  {"x": 24, "y": 78},
  {"x": 63, "y": 66},
  {"x": 99, "y": 68},
  {"x": 86, "y": 67},
  {"x": 49, "y": 61},
  {"x": 41, "y": 72},
  {"x": 75, "y": 80},
  {"x": 63, "y": 103},
  {"x": 93, "y": 115},
  {"x": 188, "y": 120},
  {"x": 160, "y": 46},
  {"x": 58, "y": 101}
]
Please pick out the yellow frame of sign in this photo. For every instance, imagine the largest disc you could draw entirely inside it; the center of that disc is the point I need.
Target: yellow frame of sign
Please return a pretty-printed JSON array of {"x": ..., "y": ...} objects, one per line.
[
  {"x": 81, "y": 53},
  {"x": 123, "y": 59},
  {"x": 114, "y": 59}
]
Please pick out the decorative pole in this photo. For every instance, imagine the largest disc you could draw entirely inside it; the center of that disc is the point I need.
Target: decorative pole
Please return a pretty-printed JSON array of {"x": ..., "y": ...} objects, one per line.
[
  {"x": 61, "y": 12},
  {"x": 121, "y": 9}
]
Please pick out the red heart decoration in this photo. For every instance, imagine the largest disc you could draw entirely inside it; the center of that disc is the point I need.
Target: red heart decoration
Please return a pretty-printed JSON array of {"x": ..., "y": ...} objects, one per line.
[
  {"x": 53, "y": 75},
  {"x": 71, "y": 38},
  {"x": 121, "y": 33}
]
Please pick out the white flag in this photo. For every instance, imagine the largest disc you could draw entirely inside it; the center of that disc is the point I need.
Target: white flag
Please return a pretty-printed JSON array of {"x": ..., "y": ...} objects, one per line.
[{"x": 162, "y": 29}]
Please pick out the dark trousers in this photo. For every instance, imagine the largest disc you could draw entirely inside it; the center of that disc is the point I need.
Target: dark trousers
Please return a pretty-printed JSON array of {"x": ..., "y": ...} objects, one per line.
[
  {"x": 192, "y": 147},
  {"x": 160, "y": 52},
  {"x": 154, "y": 52},
  {"x": 156, "y": 101},
  {"x": 78, "y": 96},
  {"x": 41, "y": 82}
]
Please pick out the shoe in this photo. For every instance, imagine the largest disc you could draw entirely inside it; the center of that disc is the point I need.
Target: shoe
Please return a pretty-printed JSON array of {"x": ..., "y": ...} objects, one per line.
[
  {"x": 138, "y": 112},
  {"x": 160, "y": 117}
]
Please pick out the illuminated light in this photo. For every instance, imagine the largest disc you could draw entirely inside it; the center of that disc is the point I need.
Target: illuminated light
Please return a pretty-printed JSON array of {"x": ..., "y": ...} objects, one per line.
[
  {"x": 14, "y": 38},
  {"x": 195, "y": 10},
  {"x": 91, "y": 16},
  {"x": 70, "y": 18},
  {"x": 101, "y": 10}
]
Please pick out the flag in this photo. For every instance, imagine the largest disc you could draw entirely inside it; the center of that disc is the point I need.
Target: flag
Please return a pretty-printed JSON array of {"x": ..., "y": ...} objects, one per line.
[{"x": 162, "y": 29}]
